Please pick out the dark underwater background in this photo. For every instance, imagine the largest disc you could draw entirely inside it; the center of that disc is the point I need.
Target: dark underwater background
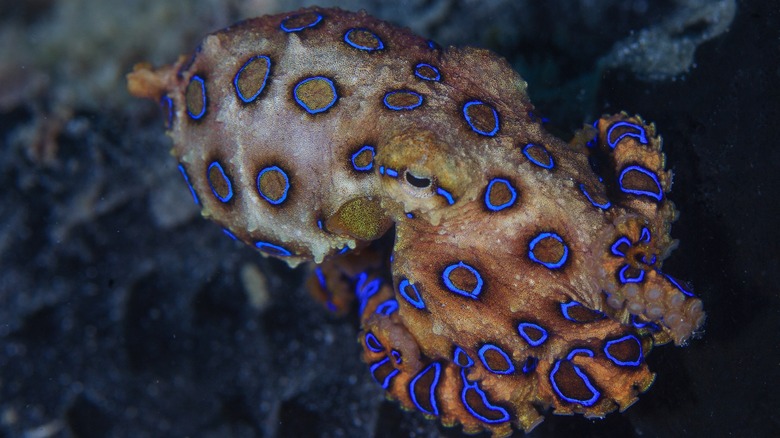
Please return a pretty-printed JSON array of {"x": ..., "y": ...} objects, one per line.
[{"x": 124, "y": 314}]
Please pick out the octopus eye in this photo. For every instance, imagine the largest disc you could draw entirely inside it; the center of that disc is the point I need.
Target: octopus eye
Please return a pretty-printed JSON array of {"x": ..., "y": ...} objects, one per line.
[{"x": 419, "y": 182}]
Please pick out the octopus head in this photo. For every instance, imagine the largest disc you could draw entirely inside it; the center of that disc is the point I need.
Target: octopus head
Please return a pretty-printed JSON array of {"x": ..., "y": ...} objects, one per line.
[{"x": 422, "y": 175}]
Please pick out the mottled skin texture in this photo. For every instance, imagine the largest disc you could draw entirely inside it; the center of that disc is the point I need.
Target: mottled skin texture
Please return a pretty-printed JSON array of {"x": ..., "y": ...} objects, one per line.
[{"x": 525, "y": 271}]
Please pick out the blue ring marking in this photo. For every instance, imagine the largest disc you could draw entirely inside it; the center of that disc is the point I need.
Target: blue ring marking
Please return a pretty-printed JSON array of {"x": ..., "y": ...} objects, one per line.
[
  {"x": 381, "y": 170},
  {"x": 284, "y": 27},
  {"x": 490, "y": 133},
  {"x": 402, "y": 108},
  {"x": 365, "y": 291},
  {"x": 368, "y": 166},
  {"x": 203, "y": 95},
  {"x": 526, "y": 325},
  {"x": 474, "y": 294},
  {"x": 678, "y": 285},
  {"x": 641, "y": 136},
  {"x": 433, "y": 45},
  {"x": 461, "y": 358},
  {"x": 321, "y": 280},
  {"x": 549, "y": 165},
  {"x": 490, "y": 347},
  {"x": 229, "y": 234},
  {"x": 305, "y": 106},
  {"x": 474, "y": 386},
  {"x": 431, "y": 394},
  {"x": 585, "y": 380},
  {"x": 423, "y": 64},
  {"x": 616, "y": 361},
  {"x": 415, "y": 301},
  {"x": 388, "y": 378},
  {"x": 649, "y": 262},
  {"x": 615, "y": 248},
  {"x": 537, "y": 239},
  {"x": 645, "y": 235},
  {"x": 396, "y": 357},
  {"x": 595, "y": 140},
  {"x": 391, "y": 172},
  {"x": 319, "y": 224},
  {"x": 565, "y": 311},
  {"x": 167, "y": 106},
  {"x": 624, "y": 279},
  {"x": 227, "y": 180},
  {"x": 386, "y": 308},
  {"x": 262, "y": 86},
  {"x": 603, "y": 206},
  {"x": 286, "y": 187},
  {"x": 187, "y": 180},
  {"x": 270, "y": 248},
  {"x": 320, "y": 277},
  {"x": 447, "y": 195},
  {"x": 410, "y": 215},
  {"x": 372, "y": 343},
  {"x": 655, "y": 195},
  {"x": 508, "y": 203},
  {"x": 653, "y": 327},
  {"x": 358, "y": 46},
  {"x": 530, "y": 364},
  {"x": 343, "y": 250},
  {"x": 577, "y": 351}
]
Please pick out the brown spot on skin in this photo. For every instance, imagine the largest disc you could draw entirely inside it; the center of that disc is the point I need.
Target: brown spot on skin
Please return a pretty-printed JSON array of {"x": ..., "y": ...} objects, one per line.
[
  {"x": 427, "y": 72},
  {"x": 538, "y": 153},
  {"x": 582, "y": 314},
  {"x": 463, "y": 279},
  {"x": 316, "y": 94},
  {"x": 549, "y": 250},
  {"x": 482, "y": 117},
  {"x": 304, "y": 20},
  {"x": 364, "y": 158},
  {"x": 636, "y": 180},
  {"x": 272, "y": 184},
  {"x": 364, "y": 38},
  {"x": 218, "y": 182},
  {"x": 495, "y": 360},
  {"x": 628, "y": 350},
  {"x": 196, "y": 98},
  {"x": 570, "y": 383},
  {"x": 403, "y": 99},
  {"x": 251, "y": 79},
  {"x": 499, "y": 194}
]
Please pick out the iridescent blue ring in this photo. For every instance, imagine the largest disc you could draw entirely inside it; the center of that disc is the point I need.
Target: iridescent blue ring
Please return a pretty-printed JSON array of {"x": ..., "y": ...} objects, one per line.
[
  {"x": 474, "y": 294},
  {"x": 272, "y": 249},
  {"x": 262, "y": 86},
  {"x": 319, "y": 110},
  {"x": 506, "y": 204},
  {"x": 202, "y": 112},
  {"x": 286, "y": 187},
  {"x": 284, "y": 27},
  {"x": 550, "y": 163},
  {"x": 540, "y": 237},
  {"x": 229, "y": 195},
  {"x": 657, "y": 195},
  {"x": 349, "y": 41},
  {"x": 490, "y": 133},
  {"x": 403, "y": 107}
]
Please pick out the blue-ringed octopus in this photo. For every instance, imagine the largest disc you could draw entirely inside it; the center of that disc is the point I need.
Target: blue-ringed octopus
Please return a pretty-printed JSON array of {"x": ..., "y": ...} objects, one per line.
[{"x": 499, "y": 272}]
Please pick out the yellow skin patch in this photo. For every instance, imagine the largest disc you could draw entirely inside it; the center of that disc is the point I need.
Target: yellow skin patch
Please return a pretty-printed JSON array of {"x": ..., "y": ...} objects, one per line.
[{"x": 520, "y": 280}]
